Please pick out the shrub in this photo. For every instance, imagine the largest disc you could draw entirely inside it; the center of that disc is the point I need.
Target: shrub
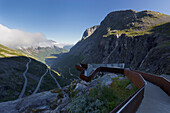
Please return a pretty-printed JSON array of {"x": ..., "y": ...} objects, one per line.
[{"x": 87, "y": 104}]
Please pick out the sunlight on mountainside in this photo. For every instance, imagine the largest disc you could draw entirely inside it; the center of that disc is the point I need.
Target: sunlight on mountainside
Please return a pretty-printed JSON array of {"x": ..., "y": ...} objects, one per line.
[
  {"x": 7, "y": 52},
  {"x": 133, "y": 32}
]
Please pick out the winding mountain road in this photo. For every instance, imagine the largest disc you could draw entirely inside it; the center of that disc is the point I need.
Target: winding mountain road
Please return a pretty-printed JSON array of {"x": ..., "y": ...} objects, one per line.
[
  {"x": 65, "y": 94},
  {"x": 25, "y": 83},
  {"x": 55, "y": 79},
  {"x": 39, "y": 83}
]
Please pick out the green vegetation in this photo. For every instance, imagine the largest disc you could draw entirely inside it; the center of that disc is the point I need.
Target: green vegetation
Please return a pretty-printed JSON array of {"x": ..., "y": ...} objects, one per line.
[
  {"x": 163, "y": 28},
  {"x": 113, "y": 95},
  {"x": 102, "y": 99},
  {"x": 7, "y": 52},
  {"x": 120, "y": 88},
  {"x": 164, "y": 44},
  {"x": 51, "y": 57},
  {"x": 11, "y": 78},
  {"x": 128, "y": 32},
  {"x": 87, "y": 105}
]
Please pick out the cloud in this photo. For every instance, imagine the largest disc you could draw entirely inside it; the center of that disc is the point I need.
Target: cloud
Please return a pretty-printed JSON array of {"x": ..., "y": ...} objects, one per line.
[{"x": 14, "y": 38}]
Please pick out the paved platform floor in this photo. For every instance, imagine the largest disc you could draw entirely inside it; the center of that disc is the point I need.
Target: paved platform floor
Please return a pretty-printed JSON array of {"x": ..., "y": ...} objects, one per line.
[{"x": 155, "y": 100}]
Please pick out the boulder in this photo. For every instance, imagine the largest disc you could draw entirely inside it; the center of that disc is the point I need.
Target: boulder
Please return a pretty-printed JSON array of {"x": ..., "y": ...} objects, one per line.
[
  {"x": 34, "y": 101},
  {"x": 105, "y": 80}
]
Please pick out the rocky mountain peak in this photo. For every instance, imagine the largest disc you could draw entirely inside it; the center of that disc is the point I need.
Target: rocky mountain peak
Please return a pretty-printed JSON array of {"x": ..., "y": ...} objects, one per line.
[
  {"x": 126, "y": 19},
  {"x": 89, "y": 31},
  {"x": 130, "y": 37}
]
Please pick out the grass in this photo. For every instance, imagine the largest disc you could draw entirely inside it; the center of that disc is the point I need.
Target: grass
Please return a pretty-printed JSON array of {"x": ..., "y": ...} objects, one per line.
[
  {"x": 128, "y": 32},
  {"x": 51, "y": 57},
  {"x": 163, "y": 28},
  {"x": 102, "y": 99},
  {"x": 164, "y": 44},
  {"x": 113, "y": 95},
  {"x": 7, "y": 52},
  {"x": 11, "y": 88}
]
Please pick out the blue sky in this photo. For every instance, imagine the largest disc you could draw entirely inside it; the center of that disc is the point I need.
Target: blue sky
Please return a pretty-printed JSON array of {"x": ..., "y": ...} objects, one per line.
[{"x": 65, "y": 20}]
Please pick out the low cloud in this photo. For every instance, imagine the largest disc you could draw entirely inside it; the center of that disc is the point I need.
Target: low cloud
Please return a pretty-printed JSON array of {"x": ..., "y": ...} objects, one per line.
[{"x": 14, "y": 38}]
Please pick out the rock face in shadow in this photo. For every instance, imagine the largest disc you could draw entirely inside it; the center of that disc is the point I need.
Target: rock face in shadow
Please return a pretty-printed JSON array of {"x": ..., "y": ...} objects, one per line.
[
  {"x": 89, "y": 31},
  {"x": 138, "y": 39}
]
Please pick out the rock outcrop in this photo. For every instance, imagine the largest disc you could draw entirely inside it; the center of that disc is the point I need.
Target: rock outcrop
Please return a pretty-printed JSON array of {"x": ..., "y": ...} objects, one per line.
[{"x": 89, "y": 31}]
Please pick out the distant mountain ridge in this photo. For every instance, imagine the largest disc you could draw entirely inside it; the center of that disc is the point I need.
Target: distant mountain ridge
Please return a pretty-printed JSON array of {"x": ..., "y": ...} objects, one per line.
[
  {"x": 41, "y": 53},
  {"x": 32, "y": 44},
  {"x": 45, "y": 49}
]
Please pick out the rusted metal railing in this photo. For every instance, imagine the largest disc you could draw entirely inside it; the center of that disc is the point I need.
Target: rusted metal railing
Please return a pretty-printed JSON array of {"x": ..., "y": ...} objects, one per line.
[
  {"x": 131, "y": 104},
  {"x": 163, "y": 83}
]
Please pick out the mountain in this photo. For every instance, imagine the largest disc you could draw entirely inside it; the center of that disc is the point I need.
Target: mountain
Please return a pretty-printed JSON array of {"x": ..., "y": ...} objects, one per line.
[
  {"x": 13, "y": 65},
  {"x": 41, "y": 53},
  {"x": 45, "y": 50},
  {"x": 138, "y": 39},
  {"x": 68, "y": 46}
]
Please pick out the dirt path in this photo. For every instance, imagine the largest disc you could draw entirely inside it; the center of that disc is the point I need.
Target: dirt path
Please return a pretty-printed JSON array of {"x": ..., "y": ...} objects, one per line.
[
  {"x": 155, "y": 100},
  {"x": 25, "y": 83}
]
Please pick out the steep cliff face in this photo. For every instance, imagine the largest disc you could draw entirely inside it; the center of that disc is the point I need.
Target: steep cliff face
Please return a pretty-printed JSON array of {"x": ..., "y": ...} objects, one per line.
[
  {"x": 89, "y": 31},
  {"x": 138, "y": 39}
]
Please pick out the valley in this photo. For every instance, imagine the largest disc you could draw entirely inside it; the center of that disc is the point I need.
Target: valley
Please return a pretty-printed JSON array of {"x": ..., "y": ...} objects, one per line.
[
  {"x": 21, "y": 76},
  {"x": 41, "y": 53}
]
